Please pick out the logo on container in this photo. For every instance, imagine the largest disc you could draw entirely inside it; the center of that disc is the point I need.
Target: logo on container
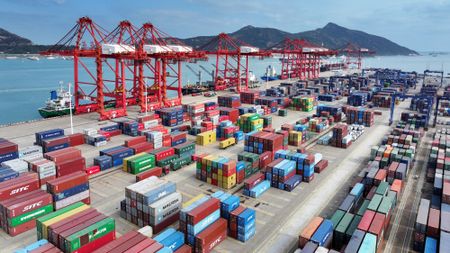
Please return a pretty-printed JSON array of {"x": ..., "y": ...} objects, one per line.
[
  {"x": 21, "y": 189},
  {"x": 32, "y": 206},
  {"x": 214, "y": 244}
]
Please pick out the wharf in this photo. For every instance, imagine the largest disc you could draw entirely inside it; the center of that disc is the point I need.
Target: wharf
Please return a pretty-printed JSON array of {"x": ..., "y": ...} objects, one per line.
[{"x": 280, "y": 215}]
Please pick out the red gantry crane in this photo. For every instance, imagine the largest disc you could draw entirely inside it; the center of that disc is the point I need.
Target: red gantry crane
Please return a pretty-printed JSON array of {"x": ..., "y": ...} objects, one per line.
[
  {"x": 158, "y": 74},
  {"x": 353, "y": 55},
  {"x": 95, "y": 77},
  {"x": 300, "y": 58},
  {"x": 232, "y": 60}
]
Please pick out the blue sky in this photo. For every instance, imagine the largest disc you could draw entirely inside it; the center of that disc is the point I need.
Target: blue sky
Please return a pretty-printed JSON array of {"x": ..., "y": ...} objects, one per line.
[{"x": 417, "y": 24}]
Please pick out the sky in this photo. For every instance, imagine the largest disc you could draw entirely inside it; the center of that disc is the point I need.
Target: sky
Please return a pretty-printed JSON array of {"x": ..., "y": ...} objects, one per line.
[{"x": 421, "y": 25}]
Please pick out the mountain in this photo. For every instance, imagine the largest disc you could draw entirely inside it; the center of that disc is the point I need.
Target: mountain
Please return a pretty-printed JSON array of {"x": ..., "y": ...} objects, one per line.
[
  {"x": 331, "y": 36},
  {"x": 11, "y": 43},
  {"x": 334, "y": 36}
]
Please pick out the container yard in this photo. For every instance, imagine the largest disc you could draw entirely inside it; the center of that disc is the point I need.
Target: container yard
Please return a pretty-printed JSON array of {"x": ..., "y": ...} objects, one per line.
[{"x": 307, "y": 162}]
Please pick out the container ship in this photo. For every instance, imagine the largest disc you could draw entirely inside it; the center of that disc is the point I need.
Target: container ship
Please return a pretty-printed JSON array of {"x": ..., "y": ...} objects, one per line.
[{"x": 59, "y": 104}]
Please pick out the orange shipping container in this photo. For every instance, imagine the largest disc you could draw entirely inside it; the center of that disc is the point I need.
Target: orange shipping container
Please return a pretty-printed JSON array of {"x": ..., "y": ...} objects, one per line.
[
  {"x": 397, "y": 186},
  {"x": 308, "y": 231}
]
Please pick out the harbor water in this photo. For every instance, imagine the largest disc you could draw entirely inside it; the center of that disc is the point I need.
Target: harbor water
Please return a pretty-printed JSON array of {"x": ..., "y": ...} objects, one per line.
[{"x": 25, "y": 85}]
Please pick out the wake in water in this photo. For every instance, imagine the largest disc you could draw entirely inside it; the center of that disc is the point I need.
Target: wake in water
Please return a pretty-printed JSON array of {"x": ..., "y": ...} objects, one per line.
[{"x": 26, "y": 90}]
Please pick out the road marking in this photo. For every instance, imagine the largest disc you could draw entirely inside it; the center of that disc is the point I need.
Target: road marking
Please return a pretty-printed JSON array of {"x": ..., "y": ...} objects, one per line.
[{"x": 277, "y": 196}]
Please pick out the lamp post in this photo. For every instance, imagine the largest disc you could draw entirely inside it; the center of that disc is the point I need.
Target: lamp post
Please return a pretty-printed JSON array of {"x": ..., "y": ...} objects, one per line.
[{"x": 70, "y": 108}]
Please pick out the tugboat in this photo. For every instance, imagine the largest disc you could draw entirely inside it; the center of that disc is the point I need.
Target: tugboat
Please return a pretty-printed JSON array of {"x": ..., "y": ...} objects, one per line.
[
  {"x": 57, "y": 105},
  {"x": 271, "y": 74}
]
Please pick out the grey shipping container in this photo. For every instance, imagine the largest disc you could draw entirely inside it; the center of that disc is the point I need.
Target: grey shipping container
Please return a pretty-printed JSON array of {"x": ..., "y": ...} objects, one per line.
[
  {"x": 310, "y": 247},
  {"x": 355, "y": 241},
  {"x": 348, "y": 204},
  {"x": 422, "y": 216}
]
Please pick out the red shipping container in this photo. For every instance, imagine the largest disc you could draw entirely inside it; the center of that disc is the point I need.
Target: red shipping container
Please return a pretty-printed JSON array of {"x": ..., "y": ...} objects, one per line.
[
  {"x": 26, "y": 182},
  {"x": 320, "y": 166},
  {"x": 252, "y": 181},
  {"x": 377, "y": 226},
  {"x": 167, "y": 222},
  {"x": 183, "y": 249},
  {"x": 28, "y": 202},
  {"x": 70, "y": 166},
  {"x": 135, "y": 140},
  {"x": 75, "y": 226},
  {"x": 107, "y": 247},
  {"x": 8, "y": 147},
  {"x": 13, "y": 231},
  {"x": 57, "y": 228},
  {"x": 129, "y": 244},
  {"x": 76, "y": 139},
  {"x": 153, "y": 248},
  {"x": 66, "y": 182},
  {"x": 233, "y": 220},
  {"x": 264, "y": 159},
  {"x": 63, "y": 154},
  {"x": 380, "y": 176},
  {"x": 397, "y": 186},
  {"x": 142, "y": 147},
  {"x": 433, "y": 223},
  {"x": 366, "y": 220},
  {"x": 157, "y": 171},
  {"x": 56, "y": 141},
  {"x": 211, "y": 236},
  {"x": 90, "y": 247},
  {"x": 202, "y": 211},
  {"x": 141, "y": 246},
  {"x": 92, "y": 170}
]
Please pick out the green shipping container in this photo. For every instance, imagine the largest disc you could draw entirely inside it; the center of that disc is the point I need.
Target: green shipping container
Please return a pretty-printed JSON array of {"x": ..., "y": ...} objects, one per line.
[
  {"x": 180, "y": 162},
  {"x": 383, "y": 189},
  {"x": 363, "y": 207},
  {"x": 385, "y": 205},
  {"x": 21, "y": 219},
  {"x": 166, "y": 161},
  {"x": 393, "y": 196},
  {"x": 375, "y": 202},
  {"x": 339, "y": 237},
  {"x": 353, "y": 226},
  {"x": 52, "y": 215},
  {"x": 336, "y": 218},
  {"x": 89, "y": 234},
  {"x": 183, "y": 148}
]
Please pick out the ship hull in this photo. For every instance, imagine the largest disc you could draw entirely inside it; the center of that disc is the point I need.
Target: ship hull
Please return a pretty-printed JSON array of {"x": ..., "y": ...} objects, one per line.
[
  {"x": 53, "y": 113},
  {"x": 269, "y": 78}
]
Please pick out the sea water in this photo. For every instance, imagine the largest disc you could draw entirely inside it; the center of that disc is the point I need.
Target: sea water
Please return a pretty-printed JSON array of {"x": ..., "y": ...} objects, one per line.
[{"x": 25, "y": 85}]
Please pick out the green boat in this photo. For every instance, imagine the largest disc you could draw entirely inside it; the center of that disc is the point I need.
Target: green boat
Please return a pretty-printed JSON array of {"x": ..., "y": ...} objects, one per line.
[{"x": 57, "y": 105}]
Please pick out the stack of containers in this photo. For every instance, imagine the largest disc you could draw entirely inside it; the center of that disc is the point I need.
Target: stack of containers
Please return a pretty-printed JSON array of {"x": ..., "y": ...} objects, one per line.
[
  {"x": 303, "y": 103},
  {"x": 229, "y": 101},
  {"x": 360, "y": 116},
  {"x": 358, "y": 99},
  {"x": 260, "y": 142},
  {"x": 139, "y": 163},
  {"x": 270, "y": 102},
  {"x": 92, "y": 137},
  {"x": 383, "y": 101},
  {"x": 67, "y": 161},
  {"x": 317, "y": 234},
  {"x": 206, "y": 138},
  {"x": 117, "y": 154},
  {"x": 177, "y": 138},
  {"x": 226, "y": 130},
  {"x": 231, "y": 113},
  {"x": 195, "y": 111},
  {"x": 39, "y": 246},
  {"x": 133, "y": 241},
  {"x": 170, "y": 240},
  {"x": 30, "y": 152},
  {"x": 49, "y": 134},
  {"x": 267, "y": 121},
  {"x": 419, "y": 120},
  {"x": 24, "y": 183},
  {"x": 295, "y": 138},
  {"x": 17, "y": 165},
  {"x": 76, "y": 228},
  {"x": 255, "y": 185},
  {"x": 171, "y": 116},
  {"x": 8, "y": 174},
  {"x": 104, "y": 162},
  {"x": 18, "y": 213},
  {"x": 69, "y": 189},
  {"x": 156, "y": 138},
  {"x": 112, "y": 129},
  {"x": 45, "y": 169},
  {"x": 213, "y": 116},
  {"x": 305, "y": 163},
  {"x": 164, "y": 156},
  {"x": 341, "y": 137},
  {"x": 250, "y": 96},
  {"x": 326, "y": 97},
  {"x": 139, "y": 144},
  {"x": 216, "y": 170},
  {"x": 130, "y": 128},
  {"x": 330, "y": 110},
  {"x": 281, "y": 174},
  {"x": 184, "y": 152},
  {"x": 8, "y": 150},
  {"x": 210, "y": 106},
  {"x": 152, "y": 201},
  {"x": 250, "y": 122}
]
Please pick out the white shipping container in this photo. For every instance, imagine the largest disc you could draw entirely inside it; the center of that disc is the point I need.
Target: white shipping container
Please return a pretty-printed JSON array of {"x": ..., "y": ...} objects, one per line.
[
  {"x": 165, "y": 203},
  {"x": 90, "y": 131},
  {"x": 72, "y": 199},
  {"x": 146, "y": 231},
  {"x": 47, "y": 173},
  {"x": 16, "y": 165},
  {"x": 156, "y": 49},
  {"x": 100, "y": 143},
  {"x": 31, "y": 151},
  {"x": 181, "y": 49},
  {"x": 247, "y": 49},
  {"x": 117, "y": 48}
]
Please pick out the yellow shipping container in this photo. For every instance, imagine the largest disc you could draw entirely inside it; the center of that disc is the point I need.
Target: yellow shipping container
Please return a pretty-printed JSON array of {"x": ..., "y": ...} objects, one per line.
[
  {"x": 125, "y": 160},
  {"x": 188, "y": 203},
  {"x": 61, "y": 217},
  {"x": 206, "y": 138},
  {"x": 229, "y": 182},
  {"x": 227, "y": 142}
]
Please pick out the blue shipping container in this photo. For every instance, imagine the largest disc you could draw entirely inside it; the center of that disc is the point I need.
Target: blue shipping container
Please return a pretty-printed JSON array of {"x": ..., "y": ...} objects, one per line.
[{"x": 323, "y": 232}]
